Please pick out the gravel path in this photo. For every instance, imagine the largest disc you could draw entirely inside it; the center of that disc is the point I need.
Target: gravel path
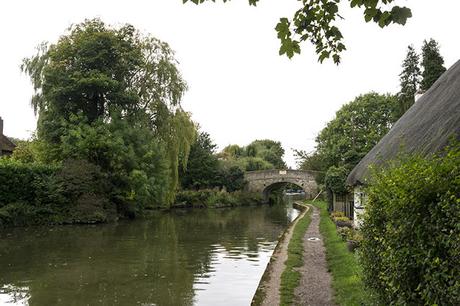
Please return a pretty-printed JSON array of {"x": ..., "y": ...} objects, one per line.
[
  {"x": 315, "y": 283},
  {"x": 276, "y": 267}
]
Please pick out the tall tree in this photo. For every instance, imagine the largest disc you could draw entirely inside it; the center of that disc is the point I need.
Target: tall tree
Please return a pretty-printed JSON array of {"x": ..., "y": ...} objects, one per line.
[
  {"x": 316, "y": 22},
  {"x": 112, "y": 96},
  {"x": 432, "y": 64},
  {"x": 202, "y": 166},
  {"x": 409, "y": 80}
]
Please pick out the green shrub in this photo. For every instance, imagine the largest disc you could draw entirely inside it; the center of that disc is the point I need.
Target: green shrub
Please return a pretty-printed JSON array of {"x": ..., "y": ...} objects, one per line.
[
  {"x": 411, "y": 231},
  {"x": 21, "y": 182}
]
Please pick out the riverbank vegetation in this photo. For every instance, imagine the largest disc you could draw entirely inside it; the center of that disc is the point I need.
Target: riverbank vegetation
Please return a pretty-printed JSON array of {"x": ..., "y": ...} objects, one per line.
[
  {"x": 112, "y": 138},
  {"x": 214, "y": 198},
  {"x": 108, "y": 102},
  {"x": 290, "y": 277}
]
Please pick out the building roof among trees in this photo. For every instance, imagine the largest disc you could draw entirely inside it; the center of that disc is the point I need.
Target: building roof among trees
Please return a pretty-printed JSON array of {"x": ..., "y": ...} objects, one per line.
[
  {"x": 6, "y": 145},
  {"x": 427, "y": 127}
]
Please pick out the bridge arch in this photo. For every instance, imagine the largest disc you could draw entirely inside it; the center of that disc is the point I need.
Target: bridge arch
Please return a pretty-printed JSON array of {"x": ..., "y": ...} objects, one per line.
[{"x": 267, "y": 180}]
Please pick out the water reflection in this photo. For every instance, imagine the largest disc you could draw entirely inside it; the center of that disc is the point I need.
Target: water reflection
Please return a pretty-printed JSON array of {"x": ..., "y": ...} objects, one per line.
[{"x": 203, "y": 257}]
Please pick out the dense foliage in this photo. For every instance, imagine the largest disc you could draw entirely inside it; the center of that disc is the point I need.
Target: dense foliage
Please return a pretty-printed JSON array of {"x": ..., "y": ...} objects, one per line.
[
  {"x": 205, "y": 171},
  {"x": 315, "y": 21},
  {"x": 411, "y": 246},
  {"x": 74, "y": 192},
  {"x": 202, "y": 165},
  {"x": 111, "y": 96}
]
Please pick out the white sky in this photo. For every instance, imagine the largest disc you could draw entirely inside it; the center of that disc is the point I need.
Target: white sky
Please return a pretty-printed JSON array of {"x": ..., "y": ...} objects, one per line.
[{"x": 240, "y": 88}]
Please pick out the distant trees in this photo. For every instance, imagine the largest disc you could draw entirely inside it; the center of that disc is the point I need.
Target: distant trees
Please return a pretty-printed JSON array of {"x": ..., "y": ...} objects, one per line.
[
  {"x": 414, "y": 78},
  {"x": 258, "y": 155}
]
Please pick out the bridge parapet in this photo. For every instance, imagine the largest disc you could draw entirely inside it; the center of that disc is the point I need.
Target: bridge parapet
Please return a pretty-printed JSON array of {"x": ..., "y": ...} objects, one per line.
[{"x": 266, "y": 180}]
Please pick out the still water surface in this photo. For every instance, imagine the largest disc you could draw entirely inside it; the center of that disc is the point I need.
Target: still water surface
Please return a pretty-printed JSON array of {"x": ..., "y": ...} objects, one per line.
[{"x": 187, "y": 257}]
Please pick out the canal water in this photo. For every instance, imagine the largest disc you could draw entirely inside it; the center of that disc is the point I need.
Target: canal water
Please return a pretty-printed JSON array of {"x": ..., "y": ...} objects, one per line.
[{"x": 183, "y": 257}]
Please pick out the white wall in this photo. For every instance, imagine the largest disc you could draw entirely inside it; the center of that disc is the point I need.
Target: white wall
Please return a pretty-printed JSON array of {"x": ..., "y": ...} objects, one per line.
[{"x": 359, "y": 199}]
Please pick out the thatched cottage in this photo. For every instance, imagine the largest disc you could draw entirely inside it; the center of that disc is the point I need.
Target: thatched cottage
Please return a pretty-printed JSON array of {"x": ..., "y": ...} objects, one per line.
[
  {"x": 6, "y": 146},
  {"x": 427, "y": 127}
]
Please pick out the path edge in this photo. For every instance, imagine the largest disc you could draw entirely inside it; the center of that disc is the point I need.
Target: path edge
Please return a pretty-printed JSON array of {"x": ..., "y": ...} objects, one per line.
[{"x": 259, "y": 295}]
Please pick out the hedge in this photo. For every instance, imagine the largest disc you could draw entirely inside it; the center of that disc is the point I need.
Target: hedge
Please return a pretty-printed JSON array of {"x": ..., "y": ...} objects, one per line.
[
  {"x": 411, "y": 230},
  {"x": 32, "y": 193}
]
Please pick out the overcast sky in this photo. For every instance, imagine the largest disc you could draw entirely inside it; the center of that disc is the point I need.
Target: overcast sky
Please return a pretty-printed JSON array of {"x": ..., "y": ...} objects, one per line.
[{"x": 240, "y": 89}]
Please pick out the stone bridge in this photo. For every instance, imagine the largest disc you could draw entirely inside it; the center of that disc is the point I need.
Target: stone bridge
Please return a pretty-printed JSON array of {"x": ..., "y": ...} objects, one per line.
[{"x": 267, "y": 180}]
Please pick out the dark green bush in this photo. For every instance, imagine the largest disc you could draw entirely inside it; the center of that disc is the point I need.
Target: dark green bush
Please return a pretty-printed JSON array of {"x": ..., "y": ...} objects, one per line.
[
  {"x": 74, "y": 192},
  {"x": 411, "y": 230},
  {"x": 21, "y": 182}
]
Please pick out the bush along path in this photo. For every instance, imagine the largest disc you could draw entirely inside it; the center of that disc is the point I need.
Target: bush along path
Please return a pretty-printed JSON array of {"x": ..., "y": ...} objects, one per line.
[{"x": 315, "y": 282}]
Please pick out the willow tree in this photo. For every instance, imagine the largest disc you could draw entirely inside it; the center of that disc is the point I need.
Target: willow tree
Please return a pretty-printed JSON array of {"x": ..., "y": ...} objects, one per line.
[{"x": 110, "y": 84}]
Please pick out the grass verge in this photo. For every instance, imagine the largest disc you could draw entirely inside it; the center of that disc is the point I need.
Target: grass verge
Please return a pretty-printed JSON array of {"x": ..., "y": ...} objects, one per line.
[
  {"x": 343, "y": 265},
  {"x": 290, "y": 277}
]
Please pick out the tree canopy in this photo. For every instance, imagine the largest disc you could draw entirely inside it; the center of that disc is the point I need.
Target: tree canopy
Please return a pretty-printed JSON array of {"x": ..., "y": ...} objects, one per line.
[
  {"x": 112, "y": 96},
  {"x": 316, "y": 22},
  {"x": 355, "y": 130}
]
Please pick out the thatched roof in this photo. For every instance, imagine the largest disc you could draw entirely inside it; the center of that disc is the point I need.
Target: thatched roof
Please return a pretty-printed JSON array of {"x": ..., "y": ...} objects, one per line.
[
  {"x": 425, "y": 128},
  {"x": 6, "y": 145}
]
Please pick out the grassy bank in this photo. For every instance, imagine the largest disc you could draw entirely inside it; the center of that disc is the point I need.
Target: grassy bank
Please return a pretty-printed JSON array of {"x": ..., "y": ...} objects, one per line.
[
  {"x": 290, "y": 278},
  {"x": 343, "y": 265}
]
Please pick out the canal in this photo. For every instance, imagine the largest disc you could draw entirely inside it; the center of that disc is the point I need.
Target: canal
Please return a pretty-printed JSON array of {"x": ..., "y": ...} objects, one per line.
[{"x": 183, "y": 257}]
